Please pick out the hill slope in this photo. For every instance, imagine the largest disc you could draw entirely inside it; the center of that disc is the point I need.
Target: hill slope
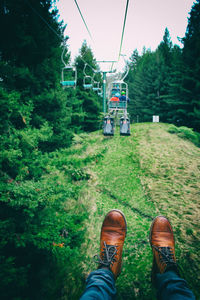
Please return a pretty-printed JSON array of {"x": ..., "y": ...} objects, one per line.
[{"x": 150, "y": 173}]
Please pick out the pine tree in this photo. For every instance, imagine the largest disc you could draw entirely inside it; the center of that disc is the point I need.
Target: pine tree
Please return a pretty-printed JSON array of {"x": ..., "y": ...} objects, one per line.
[
  {"x": 31, "y": 51},
  {"x": 147, "y": 85},
  {"x": 176, "y": 94},
  {"x": 34, "y": 186},
  {"x": 150, "y": 82},
  {"x": 191, "y": 82},
  {"x": 91, "y": 102},
  {"x": 165, "y": 47},
  {"x": 130, "y": 79},
  {"x": 164, "y": 62}
]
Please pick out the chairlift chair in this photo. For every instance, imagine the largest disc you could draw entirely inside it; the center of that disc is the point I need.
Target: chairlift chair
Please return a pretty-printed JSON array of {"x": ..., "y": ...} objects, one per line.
[
  {"x": 108, "y": 126},
  {"x": 114, "y": 91},
  {"x": 87, "y": 82},
  {"x": 96, "y": 87},
  {"x": 100, "y": 92},
  {"x": 69, "y": 73},
  {"x": 118, "y": 87},
  {"x": 125, "y": 125}
]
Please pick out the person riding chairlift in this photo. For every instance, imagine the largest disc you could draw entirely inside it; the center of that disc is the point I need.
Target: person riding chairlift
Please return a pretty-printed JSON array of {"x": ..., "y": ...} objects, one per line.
[
  {"x": 123, "y": 97},
  {"x": 115, "y": 98}
]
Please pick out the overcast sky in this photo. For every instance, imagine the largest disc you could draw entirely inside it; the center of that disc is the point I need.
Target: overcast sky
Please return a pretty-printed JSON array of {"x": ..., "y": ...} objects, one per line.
[{"x": 145, "y": 24}]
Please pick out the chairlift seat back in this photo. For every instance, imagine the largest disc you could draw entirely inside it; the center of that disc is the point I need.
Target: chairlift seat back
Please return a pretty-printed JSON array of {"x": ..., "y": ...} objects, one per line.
[
  {"x": 125, "y": 126},
  {"x": 122, "y": 104},
  {"x": 108, "y": 126},
  {"x": 117, "y": 104}
]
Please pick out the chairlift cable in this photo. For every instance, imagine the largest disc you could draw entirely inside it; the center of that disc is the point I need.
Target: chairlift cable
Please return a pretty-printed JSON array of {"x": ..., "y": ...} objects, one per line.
[
  {"x": 53, "y": 30},
  {"x": 83, "y": 20},
  {"x": 120, "y": 49},
  {"x": 88, "y": 65},
  {"x": 36, "y": 12},
  {"x": 123, "y": 28},
  {"x": 50, "y": 27},
  {"x": 88, "y": 33}
]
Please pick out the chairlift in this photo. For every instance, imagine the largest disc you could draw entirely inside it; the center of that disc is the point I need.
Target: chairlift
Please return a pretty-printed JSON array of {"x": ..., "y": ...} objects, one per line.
[
  {"x": 118, "y": 105},
  {"x": 118, "y": 87},
  {"x": 114, "y": 91},
  {"x": 87, "y": 82},
  {"x": 100, "y": 92},
  {"x": 125, "y": 125},
  {"x": 96, "y": 87},
  {"x": 117, "y": 109},
  {"x": 68, "y": 74},
  {"x": 108, "y": 126}
]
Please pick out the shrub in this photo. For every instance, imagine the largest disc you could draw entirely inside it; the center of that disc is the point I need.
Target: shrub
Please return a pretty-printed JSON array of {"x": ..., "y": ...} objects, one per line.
[
  {"x": 173, "y": 129},
  {"x": 185, "y": 133}
]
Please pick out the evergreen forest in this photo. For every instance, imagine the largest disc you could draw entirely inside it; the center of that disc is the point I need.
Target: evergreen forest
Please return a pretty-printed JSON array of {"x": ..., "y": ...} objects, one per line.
[{"x": 45, "y": 131}]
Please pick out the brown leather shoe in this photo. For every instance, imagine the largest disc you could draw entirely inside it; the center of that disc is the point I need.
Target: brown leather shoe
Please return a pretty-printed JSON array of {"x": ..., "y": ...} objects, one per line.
[
  {"x": 113, "y": 233},
  {"x": 162, "y": 243}
]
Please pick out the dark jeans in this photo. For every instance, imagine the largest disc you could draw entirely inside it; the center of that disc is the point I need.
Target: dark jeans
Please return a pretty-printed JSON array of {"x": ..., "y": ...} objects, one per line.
[{"x": 100, "y": 285}]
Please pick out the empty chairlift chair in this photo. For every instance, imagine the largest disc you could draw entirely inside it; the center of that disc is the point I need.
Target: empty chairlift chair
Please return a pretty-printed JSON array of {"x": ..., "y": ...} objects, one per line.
[
  {"x": 69, "y": 73},
  {"x": 69, "y": 77},
  {"x": 124, "y": 126},
  {"x": 108, "y": 126},
  {"x": 96, "y": 87},
  {"x": 87, "y": 82},
  {"x": 100, "y": 92}
]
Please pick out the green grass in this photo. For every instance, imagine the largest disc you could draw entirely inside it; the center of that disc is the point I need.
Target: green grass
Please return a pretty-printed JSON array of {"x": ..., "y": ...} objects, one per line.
[{"x": 152, "y": 172}]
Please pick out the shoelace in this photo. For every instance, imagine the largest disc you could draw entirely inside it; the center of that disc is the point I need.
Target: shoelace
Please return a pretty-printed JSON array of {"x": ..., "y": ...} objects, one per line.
[
  {"x": 166, "y": 255},
  {"x": 108, "y": 255}
]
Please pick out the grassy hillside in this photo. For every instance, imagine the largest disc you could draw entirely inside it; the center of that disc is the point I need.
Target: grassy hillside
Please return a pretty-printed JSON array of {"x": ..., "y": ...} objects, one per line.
[{"x": 150, "y": 173}]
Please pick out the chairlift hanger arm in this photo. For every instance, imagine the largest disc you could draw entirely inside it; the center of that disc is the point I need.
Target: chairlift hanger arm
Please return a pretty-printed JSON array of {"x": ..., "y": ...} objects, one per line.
[
  {"x": 86, "y": 64},
  {"x": 126, "y": 74},
  {"x": 127, "y": 68},
  {"x": 84, "y": 71},
  {"x": 62, "y": 55}
]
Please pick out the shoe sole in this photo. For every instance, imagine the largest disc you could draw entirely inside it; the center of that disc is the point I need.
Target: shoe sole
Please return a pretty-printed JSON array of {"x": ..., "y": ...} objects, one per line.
[
  {"x": 150, "y": 234},
  {"x": 122, "y": 216}
]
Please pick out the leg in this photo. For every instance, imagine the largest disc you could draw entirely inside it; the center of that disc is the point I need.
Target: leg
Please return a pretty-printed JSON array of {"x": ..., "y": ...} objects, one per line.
[
  {"x": 171, "y": 286},
  {"x": 100, "y": 284},
  {"x": 165, "y": 273}
]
